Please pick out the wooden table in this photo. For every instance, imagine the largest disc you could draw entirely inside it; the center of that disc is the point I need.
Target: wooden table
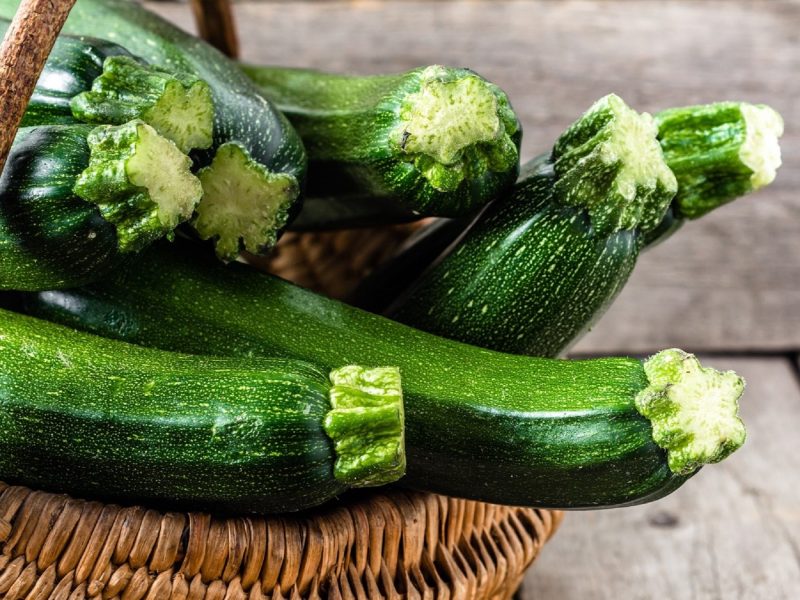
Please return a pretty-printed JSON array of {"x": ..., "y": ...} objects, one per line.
[{"x": 728, "y": 285}]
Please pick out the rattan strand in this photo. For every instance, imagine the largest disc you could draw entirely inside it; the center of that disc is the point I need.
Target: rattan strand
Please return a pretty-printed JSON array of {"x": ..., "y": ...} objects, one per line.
[
  {"x": 395, "y": 544},
  {"x": 333, "y": 262}
]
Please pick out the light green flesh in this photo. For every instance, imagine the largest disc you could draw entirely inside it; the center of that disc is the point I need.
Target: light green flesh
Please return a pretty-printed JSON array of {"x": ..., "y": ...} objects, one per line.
[
  {"x": 633, "y": 144},
  {"x": 610, "y": 163},
  {"x": 366, "y": 424},
  {"x": 451, "y": 124},
  {"x": 244, "y": 204},
  {"x": 693, "y": 410},
  {"x": 761, "y": 152},
  {"x": 160, "y": 167},
  {"x": 184, "y": 116}
]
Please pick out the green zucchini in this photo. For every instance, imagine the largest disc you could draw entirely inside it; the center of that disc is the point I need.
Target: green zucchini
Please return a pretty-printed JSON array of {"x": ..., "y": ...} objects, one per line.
[
  {"x": 77, "y": 200},
  {"x": 479, "y": 424},
  {"x": 95, "y": 81},
  {"x": 437, "y": 140},
  {"x": 256, "y": 163},
  {"x": 97, "y": 417},
  {"x": 541, "y": 265}
]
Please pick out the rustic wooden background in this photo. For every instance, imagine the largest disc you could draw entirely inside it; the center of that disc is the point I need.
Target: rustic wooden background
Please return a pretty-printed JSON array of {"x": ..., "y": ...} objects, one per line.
[{"x": 728, "y": 285}]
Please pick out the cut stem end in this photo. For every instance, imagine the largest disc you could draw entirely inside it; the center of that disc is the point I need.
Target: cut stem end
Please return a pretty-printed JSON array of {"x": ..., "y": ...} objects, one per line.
[
  {"x": 719, "y": 152},
  {"x": 610, "y": 163},
  {"x": 244, "y": 204},
  {"x": 140, "y": 181},
  {"x": 179, "y": 107},
  {"x": 366, "y": 424},
  {"x": 456, "y": 127},
  {"x": 693, "y": 410}
]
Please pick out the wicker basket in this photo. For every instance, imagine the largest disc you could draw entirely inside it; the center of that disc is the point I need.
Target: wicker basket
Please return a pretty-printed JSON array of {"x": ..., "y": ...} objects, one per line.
[
  {"x": 387, "y": 544},
  {"x": 394, "y": 544}
]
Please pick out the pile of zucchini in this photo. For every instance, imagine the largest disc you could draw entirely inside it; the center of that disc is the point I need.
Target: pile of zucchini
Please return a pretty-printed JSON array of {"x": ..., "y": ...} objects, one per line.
[{"x": 140, "y": 361}]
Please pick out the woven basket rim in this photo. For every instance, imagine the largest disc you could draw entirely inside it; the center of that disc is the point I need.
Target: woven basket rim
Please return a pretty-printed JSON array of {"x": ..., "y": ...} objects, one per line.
[{"x": 393, "y": 543}]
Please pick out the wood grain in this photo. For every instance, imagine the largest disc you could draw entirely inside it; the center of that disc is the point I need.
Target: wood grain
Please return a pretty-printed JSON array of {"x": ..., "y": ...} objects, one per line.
[
  {"x": 24, "y": 50},
  {"x": 216, "y": 25},
  {"x": 731, "y": 280},
  {"x": 733, "y": 531}
]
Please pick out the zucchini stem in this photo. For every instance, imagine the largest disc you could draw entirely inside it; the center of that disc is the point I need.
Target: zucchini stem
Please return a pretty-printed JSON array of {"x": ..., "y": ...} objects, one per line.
[
  {"x": 140, "y": 181},
  {"x": 178, "y": 106},
  {"x": 610, "y": 163},
  {"x": 693, "y": 410},
  {"x": 366, "y": 424},
  {"x": 455, "y": 127},
  {"x": 719, "y": 152},
  {"x": 438, "y": 140},
  {"x": 244, "y": 204}
]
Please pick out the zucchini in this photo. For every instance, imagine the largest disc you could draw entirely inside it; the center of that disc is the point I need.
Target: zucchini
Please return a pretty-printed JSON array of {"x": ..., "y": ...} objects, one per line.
[
  {"x": 77, "y": 200},
  {"x": 90, "y": 416},
  {"x": 95, "y": 81},
  {"x": 541, "y": 265},
  {"x": 255, "y": 165},
  {"x": 437, "y": 140},
  {"x": 479, "y": 424}
]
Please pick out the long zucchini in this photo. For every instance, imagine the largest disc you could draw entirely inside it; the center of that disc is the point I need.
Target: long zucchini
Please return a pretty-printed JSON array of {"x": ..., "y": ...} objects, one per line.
[
  {"x": 76, "y": 201},
  {"x": 479, "y": 424},
  {"x": 438, "y": 140},
  {"x": 254, "y": 167},
  {"x": 540, "y": 266},
  {"x": 91, "y": 416}
]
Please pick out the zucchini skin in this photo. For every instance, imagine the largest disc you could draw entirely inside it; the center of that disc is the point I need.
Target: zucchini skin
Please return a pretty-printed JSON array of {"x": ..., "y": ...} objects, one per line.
[
  {"x": 530, "y": 275},
  {"x": 97, "y": 417},
  {"x": 49, "y": 236},
  {"x": 359, "y": 137},
  {"x": 479, "y": 424}
]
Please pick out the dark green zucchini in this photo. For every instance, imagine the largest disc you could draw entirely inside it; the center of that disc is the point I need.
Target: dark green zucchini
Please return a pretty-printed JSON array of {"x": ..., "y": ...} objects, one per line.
[
  {"x": 479, "y": 424},
  {"x": 88, "y": 80},
  {"x": 91, "y": 416},
  {"x": 537, "y": 268},
  {"x": 256, "y": 162},
  {"x": 76, "y": 201},
  {"x": 437, "y": 140}
]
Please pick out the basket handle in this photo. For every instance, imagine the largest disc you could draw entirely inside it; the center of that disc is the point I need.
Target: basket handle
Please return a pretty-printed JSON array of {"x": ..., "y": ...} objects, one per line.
[
  {"x": 24, "y": 51},
  {"x": 215, "y": 24}
]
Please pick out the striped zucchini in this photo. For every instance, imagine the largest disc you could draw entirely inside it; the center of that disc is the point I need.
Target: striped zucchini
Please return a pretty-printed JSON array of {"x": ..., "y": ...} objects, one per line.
[
  {"x": 479, "y": 424},
  {"x": 435, "y": 140},
  {"x": 97, "y": 417},
  {"x": 540, "y": 266},
  {"x": 77, "y": 200}
]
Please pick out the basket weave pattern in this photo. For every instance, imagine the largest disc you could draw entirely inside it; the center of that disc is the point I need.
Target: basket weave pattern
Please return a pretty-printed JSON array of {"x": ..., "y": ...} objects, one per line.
[{"x": 397, "y": 544}]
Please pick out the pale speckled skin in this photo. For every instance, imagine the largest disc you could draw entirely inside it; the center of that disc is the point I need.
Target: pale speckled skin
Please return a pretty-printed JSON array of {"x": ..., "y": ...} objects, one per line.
[
  {"x": 97, "y": 417},
  {"x": 348, "y": 125},
  {"x": 479, "y": 424},
  {"x": 529, "y": 277}
]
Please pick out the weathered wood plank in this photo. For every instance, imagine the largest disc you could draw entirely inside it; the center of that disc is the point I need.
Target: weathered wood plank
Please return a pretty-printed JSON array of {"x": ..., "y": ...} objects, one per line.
[
  {"x": 733, "y": 531},
  {"x": 729, "y": 281}
]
